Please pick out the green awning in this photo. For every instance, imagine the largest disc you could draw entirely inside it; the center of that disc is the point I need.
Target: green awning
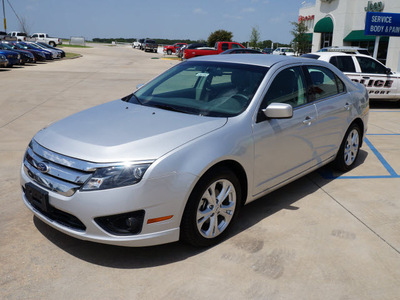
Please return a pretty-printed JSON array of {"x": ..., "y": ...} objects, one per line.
[
  {"x": 324, "y": 25},
  {"x": 359, "y": 36},
  {"x": 309, "y": 37}
]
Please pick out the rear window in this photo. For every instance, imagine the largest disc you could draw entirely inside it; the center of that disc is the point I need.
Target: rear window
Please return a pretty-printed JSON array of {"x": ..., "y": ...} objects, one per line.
[
  {"x": 343, "y": 63},
  {"x": 325, "y": 82}
]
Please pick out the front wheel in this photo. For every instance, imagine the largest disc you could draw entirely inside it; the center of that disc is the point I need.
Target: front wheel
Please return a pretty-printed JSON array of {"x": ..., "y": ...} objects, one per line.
[
  {"x": 349, "y": 149},
  {"x": 211, "y": 209}
]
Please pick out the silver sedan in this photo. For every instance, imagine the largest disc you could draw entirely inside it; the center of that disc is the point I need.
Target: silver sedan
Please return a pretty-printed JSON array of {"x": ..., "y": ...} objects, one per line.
[{"x": 179, "y": 157}]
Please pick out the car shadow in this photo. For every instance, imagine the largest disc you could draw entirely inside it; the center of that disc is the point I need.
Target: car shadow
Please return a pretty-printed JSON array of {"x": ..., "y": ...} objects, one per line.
[
  {"x": 145, "y": 257},
  {"x": 4, "y": 70}
]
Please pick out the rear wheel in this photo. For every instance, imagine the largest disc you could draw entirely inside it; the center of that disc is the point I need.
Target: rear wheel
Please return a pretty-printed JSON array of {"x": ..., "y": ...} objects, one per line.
[
  {"x": 52, "y": 44},
  {"x": 211, "y": 209},
  {"x": 349, "y": 149}
]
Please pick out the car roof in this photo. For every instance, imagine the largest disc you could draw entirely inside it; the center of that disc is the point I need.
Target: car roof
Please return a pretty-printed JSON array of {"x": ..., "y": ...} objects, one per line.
[
  {"x": 338, "y": 53},
  {"x": 260, "y": 60}
]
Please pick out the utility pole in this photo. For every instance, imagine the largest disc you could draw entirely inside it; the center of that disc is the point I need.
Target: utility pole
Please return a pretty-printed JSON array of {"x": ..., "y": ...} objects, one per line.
[{"x": 4, "y": 14}]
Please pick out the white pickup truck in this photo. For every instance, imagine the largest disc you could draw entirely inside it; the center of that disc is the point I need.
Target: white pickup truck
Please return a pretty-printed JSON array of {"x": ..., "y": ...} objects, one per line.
[{"x": 44, "y": 37}]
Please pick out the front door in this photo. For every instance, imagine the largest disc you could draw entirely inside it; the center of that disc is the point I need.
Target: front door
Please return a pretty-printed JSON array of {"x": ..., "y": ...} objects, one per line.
[{"x": 284, "y": 147}]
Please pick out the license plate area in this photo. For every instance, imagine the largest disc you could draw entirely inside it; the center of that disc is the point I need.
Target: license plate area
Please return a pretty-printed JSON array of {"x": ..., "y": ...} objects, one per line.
[{"x": 37, "y": 197}]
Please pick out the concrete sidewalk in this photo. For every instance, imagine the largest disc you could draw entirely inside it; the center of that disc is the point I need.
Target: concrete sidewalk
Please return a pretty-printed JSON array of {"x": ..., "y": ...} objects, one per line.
[{"x": 325, "y": 236}]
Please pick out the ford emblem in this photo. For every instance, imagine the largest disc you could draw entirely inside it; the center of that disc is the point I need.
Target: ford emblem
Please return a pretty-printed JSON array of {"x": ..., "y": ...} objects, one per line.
[{"x": 42, "y": 167}]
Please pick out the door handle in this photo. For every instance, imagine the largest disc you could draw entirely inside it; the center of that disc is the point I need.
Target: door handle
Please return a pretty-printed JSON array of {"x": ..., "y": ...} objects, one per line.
[
  {"x": 347, "y": 106},
  {"x": 308, "y": 120},
  {"x": 366, "y": 77}
]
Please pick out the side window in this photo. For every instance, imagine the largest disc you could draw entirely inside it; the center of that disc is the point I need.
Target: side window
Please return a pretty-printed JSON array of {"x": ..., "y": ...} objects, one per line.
[
  {"x": 287, "y": 87},
  {"x": 369, "y": 65},
  {"x": 35, "y": 35},
  {"x": 325, "y": 82},
  {"x": 224, "y": 46},
  {"x": 235, "y": 46},
  {"x": 343, "y": 63}
]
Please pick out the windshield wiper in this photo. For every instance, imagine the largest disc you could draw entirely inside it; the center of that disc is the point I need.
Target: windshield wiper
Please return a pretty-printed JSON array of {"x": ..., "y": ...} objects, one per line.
[
  {"x": 171, "y": 108},
  {"x": 137, "y": 99}
]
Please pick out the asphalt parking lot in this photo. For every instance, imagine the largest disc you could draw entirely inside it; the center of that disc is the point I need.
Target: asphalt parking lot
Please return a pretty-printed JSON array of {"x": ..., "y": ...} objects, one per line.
[{"x": 325, "y": 236}]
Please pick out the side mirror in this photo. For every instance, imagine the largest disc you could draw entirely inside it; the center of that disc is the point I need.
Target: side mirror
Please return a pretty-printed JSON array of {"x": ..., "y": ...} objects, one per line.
[
  {"x": 388, "y": 71},
  {"x": 278, "y": 111}
]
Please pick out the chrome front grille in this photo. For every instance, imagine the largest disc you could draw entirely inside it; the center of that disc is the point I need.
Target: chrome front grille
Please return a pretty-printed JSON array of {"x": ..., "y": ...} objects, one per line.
[{"x": 56, "y": 172}]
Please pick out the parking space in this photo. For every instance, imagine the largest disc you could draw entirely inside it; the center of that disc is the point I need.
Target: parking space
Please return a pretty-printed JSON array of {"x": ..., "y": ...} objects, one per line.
[{"x": 325, "y": 236}]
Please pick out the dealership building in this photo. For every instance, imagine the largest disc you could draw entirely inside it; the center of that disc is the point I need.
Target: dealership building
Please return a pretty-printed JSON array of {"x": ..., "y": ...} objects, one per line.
[{"x": 342, "y": 23}]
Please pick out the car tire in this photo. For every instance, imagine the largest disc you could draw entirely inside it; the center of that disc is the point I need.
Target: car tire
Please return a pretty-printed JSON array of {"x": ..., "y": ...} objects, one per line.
[
  {"x": 52, "y": 44},
  {"x": 349, "y": 149},
  {"x": 169, "y": 52},
  {"x": 212, "y": 208}
]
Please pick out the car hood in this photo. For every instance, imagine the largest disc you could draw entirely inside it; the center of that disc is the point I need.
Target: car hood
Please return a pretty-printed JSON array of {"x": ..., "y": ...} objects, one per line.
[
  {"x": 8, "y": 52},
  {"x": 120, "y": 131}
]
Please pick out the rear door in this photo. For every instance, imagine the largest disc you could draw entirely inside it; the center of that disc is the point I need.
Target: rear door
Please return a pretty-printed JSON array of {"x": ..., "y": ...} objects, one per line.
[
  {"x": 347, "y": 64},
  {"x": 333, "y": 107}
]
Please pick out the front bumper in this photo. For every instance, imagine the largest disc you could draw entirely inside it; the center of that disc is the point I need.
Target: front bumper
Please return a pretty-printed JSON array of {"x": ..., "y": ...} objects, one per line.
[{"x": 156, "y": 197}]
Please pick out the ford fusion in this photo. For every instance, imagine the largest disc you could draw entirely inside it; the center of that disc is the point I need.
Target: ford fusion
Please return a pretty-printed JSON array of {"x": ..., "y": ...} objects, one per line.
[{"x": 179, "y": 157}]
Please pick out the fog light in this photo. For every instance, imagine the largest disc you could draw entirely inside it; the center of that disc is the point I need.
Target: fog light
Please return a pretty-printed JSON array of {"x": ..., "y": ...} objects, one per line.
[{"x": 123, "y": 224}]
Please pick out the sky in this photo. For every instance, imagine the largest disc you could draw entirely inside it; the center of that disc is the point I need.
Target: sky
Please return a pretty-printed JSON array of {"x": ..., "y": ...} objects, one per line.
[{"x": 173, "y": 19}]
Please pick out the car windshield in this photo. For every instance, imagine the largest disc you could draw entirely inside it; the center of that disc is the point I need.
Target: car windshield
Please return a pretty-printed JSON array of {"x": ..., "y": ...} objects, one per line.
[
  {"x": 19, "y": 46},
  {"x": 6, "y": 47},
  {"x": 203, "y": 88}
]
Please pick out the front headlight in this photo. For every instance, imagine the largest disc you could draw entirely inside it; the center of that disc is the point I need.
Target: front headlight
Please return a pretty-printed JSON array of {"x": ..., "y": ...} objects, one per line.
[{"x": 115, "y": 176}]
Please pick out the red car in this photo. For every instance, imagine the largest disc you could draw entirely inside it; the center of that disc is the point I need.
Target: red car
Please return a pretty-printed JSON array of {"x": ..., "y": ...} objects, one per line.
[{"x": 172, "y": 48}]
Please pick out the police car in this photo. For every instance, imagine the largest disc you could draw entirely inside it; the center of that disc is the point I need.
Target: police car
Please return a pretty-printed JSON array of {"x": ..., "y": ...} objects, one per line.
[{"x": 380, "y": 81}]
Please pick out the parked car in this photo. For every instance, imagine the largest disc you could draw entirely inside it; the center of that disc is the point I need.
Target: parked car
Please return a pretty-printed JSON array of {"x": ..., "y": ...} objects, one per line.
[
  {"x": 55, "y": 53},
  {"x": 179, "y": 51},
  {"x": 169, "y": 49},
  {"x": 137, "y": 43},
  {"x": 267, "y": 50},
  {"x": 217, "y": 49},
  {"x": 346, "y": 49},
  {"x": 241, "y": 51},
  {"x": 149, "y": 45},
  {"x": 3, "y": 61},
  {"x": 284, "y": 51},
  {"x": 62, "y": 53},
  {"x": 380, "y": 81},
  {"x": 26, "y": 56},
  {"x": 216, "y": 132},
  {"x": 38, "y": 54},
  {"x": 47, "y": 54},
  {"x": 13, "y": 57},
  {"x": 19, "y": 35},
  {"x": 45, "y": 38}
]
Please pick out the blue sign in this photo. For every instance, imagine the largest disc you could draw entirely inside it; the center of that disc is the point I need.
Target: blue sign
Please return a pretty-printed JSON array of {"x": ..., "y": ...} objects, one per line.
[{"x": 387, "y": 24}]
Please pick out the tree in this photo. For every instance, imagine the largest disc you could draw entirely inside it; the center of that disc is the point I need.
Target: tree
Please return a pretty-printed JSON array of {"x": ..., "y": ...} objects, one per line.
[
  {"x": 301, "y": 43},
  {"x": 219, "y": 35},
  {"x": 254, "y": 37},
  {"x": 265, "y": 44},
  {"x": 23, "y": 25}
]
